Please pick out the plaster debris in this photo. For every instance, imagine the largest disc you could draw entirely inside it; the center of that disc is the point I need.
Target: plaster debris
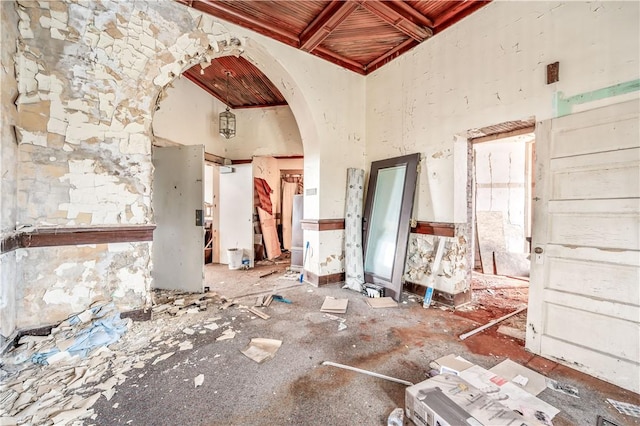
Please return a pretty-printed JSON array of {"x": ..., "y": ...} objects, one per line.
[
  {"x": 227, "y": 334},
  {"x": 261, "y": 349},
  {"x": 198, "y": 380}
]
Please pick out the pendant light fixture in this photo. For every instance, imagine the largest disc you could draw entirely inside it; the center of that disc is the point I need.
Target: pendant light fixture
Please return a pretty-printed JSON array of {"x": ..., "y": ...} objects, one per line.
[{"x": 227, "y": 121}]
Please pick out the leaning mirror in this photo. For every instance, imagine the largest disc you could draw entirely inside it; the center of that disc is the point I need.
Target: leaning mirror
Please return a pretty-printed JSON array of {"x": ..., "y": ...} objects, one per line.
[{"x": 386, "y": 222}]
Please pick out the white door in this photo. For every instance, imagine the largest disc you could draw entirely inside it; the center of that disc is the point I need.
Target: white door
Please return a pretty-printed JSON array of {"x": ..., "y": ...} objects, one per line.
[
  {"x": 585, "y": 268},
  {"x": 236, "y": 211},
  {"x": 178, "y": 201}
]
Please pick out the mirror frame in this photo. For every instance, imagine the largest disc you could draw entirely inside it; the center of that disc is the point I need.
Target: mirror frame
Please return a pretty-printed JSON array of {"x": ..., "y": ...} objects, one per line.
[{"x": 392, "y": 287}]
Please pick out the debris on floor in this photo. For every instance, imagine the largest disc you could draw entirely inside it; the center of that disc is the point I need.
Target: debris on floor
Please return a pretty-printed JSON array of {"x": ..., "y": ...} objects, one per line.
[
  {"x": 226, "y": 335},
  {"x": 258, "y": 313},
  {"x": 396, "y": 418},
  {"x": 563, "y": 388},
  {"x": 509, "y": 370},
  {"x": 492, "y": 323},
  {"x": 263, "y": 300},
  {"x": 341, "y": 321},
  {"x": 381, "y": 302},
  {"x": 511, "y": 395},
  {"x": 79, "y": 335},
  {"x": 451, "y": 364},
  {"x": 176, "y": 303},
  {"x": 625, "y": 407},
  {"x": 453, "y": 400},
  {"x": 65, "y": 390},
  {"x": 261, "y": 349},
  {"x": 268, "y": 274},
  {"x": 290, "y": 275},
  {"x": 198, "y": 380},
  {"x": 281, "y": 299},
  {"x": 368, "y": 373},
  {"x": 334, "y": 306},
  {"x": 514, "y": 385}
]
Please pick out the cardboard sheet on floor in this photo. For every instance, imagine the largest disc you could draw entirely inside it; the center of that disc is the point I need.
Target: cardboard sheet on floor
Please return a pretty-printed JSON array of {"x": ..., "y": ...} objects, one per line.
[
  {"x": 260, "y": 349},
  {"x": 509, "y": 394},
  {"x": 334, "y": 306},
  {"x": 381, "y": 302},
  {"x": 453, "y": 364},
  {"x": 509, "y": 370}
]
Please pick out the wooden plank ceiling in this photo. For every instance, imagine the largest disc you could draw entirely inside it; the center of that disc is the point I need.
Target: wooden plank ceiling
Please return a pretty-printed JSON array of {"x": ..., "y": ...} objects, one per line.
[{"x": 360, "y": 35}]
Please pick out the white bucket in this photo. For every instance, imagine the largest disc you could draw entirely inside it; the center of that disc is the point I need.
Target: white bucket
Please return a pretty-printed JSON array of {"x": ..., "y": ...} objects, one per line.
[{"x": 234, "y": 256}]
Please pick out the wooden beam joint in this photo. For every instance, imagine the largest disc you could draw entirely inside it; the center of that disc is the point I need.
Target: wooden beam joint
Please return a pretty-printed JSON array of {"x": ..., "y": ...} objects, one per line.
[
  {"x": 325, "y": 23},
  {"x": 398, "y": 15}
]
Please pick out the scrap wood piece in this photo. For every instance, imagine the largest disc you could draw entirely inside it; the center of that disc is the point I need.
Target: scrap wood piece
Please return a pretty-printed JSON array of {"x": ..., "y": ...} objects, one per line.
[
  {"x": 267, "y": 274},
  {"x": 334, "y": 306},
  {"x": 491, "y": 323},
  {"x": 261, "y": 349},
  {"x": 368, "y": 373},
  {"x": 381, "y": 302},
  {"x": 259, "y": 313}
]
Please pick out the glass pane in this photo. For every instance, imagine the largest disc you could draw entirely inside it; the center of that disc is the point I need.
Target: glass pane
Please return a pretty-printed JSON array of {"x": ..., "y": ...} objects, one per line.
[{"x": 383, "y": 224}]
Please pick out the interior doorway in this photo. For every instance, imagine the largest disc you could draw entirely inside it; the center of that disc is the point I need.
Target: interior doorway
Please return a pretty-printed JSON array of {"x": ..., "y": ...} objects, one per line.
[{"x": 502, "y": 185}]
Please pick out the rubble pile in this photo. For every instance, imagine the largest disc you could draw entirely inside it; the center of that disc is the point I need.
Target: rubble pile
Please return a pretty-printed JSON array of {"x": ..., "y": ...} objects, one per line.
[{"x": 57, "y": 378}]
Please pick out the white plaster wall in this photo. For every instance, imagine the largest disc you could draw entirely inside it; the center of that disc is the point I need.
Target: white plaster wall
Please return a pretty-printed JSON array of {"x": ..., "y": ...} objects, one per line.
[
  {"x": 490, "y": 68},
  {"x": 189, "y": 116},
  {"x": 236, "y": 211},
  {"x": 500, "y": 186},
  {"x": 264, "y": 132}
]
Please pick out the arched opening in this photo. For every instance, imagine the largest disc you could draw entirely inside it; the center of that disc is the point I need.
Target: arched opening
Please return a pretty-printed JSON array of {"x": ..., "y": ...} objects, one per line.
[{"x": 268, "y": 146}]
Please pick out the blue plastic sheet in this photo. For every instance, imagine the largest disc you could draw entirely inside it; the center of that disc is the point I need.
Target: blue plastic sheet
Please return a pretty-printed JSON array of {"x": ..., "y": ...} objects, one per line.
[{"x": 105, "y": 328}]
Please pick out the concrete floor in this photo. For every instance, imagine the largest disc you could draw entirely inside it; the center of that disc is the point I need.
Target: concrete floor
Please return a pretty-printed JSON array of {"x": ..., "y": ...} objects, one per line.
[{"x": 294, "y": 388}]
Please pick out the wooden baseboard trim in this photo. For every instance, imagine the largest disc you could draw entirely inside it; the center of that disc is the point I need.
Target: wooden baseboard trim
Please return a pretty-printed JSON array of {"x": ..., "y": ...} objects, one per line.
[
  {"x": 434, "y": 228},
  {"x": 320, "y": 280},
  {"x": 442, "y": 297},
  {"x": 54, "y": 237},
  {"x": 322, "y": 224}
]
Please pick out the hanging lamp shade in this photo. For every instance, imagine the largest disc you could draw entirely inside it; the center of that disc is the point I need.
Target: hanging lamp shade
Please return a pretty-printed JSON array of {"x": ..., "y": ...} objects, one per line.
[
  {"x": 227, "y": 124},
  {"x": 227, "y": 120}
]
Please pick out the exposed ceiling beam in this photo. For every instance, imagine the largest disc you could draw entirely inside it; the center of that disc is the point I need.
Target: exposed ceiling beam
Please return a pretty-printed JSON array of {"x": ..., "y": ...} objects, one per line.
[
  {"x": 345, "y": 62},
  {"x": 457, "y": 12},
  {"x": 228, "y": 13},
  {"x": 391, "y": 54},
  {"x": 396, "y": 15},
  {"x": 323, "y": 24}
]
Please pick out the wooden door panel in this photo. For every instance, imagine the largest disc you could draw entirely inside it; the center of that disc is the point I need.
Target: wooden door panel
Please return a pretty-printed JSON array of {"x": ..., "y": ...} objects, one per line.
[{"x": 584, "y": 300}]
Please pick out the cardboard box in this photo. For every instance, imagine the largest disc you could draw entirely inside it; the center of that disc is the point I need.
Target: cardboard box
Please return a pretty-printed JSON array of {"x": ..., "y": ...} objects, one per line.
[{"x": 448, "y": 400}]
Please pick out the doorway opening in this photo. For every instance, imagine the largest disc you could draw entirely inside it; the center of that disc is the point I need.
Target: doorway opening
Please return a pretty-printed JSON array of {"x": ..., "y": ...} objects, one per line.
[{"x": 501, "y": 190}]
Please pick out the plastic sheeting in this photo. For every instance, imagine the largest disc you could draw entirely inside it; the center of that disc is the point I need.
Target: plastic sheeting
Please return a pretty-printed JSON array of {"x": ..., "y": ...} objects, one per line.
[{"x": 82, "y": 333}]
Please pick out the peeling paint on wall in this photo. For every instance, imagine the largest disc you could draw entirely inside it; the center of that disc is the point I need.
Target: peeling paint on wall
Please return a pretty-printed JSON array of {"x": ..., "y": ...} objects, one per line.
[
  {"x": 452, "y": 275},
  {"x": 96, "y": 273}
]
